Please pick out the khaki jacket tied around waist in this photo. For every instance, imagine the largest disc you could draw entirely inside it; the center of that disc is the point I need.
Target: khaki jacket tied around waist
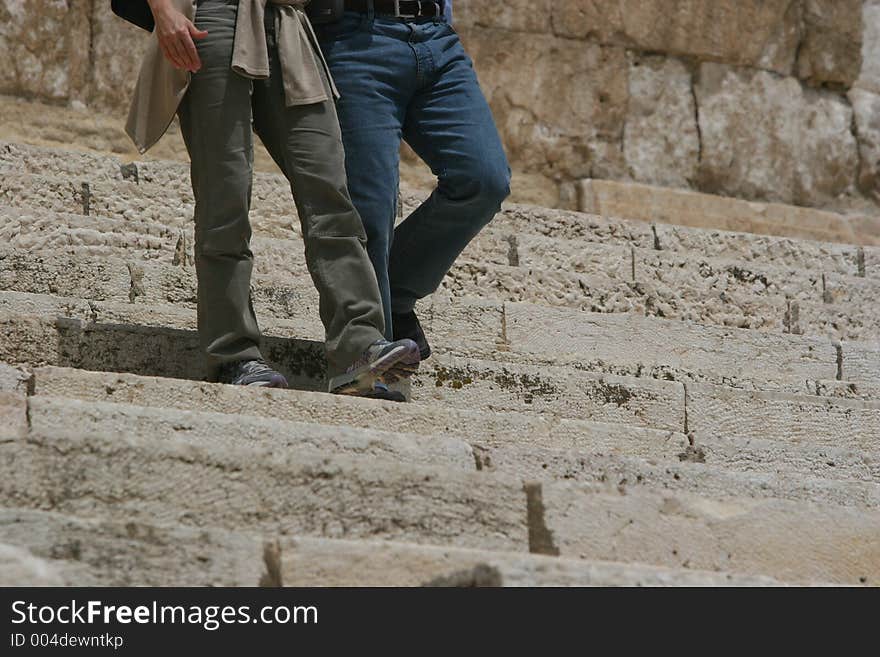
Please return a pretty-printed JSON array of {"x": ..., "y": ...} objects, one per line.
[{"x": 160, "y": 86}]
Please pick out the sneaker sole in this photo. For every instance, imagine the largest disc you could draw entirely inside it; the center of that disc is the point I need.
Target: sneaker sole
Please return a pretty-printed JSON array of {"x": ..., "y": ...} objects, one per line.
[
  {"x": 268, "y": 384},
  {"x": 279, "y": 382},
  {"x": 397, "y": 364},
  {"x": 404, "y": 368}
]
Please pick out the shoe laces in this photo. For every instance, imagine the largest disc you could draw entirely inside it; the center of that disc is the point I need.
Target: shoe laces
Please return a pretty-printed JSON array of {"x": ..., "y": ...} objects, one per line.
[
  {"x": 369, "y": 354},
  {"x": 254, "y": 367}
]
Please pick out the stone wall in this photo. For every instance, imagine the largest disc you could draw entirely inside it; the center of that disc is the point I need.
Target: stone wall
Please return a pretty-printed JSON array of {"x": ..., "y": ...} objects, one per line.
[
  {"x": 761, "y": 99},
  {"x": 773, "y": 100}
]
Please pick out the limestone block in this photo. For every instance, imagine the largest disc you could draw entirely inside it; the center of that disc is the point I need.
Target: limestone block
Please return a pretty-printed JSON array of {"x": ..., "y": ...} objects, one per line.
[
  {"x": 491, "y": 432},
  {"x": 768, "y": 138},
  {"x": 13, "y": 415},
  {"x": 90, "y": 552},
  {"x": 13, "y": 380},
  {"x": 866, "y": 107},
  {"x": 755, "y": 33},
  {"x": 515, "y": 15},
  {"x": 18, "y": 567},
  {"x": 707, "y": 211},
  {"x": 53, "y": 416},
  {"x": 117, "y": 48},
  {"x": 261, "y": 489},
  {"x": 44, "y": 45},
  {"x": 818, "y": 421},
  {"x": 668, "y": 349},
  {"x": 660, "y": 140},
  {"x": 786, "y": 539},
  {"x": 562, "y": 130},
  {"x": 831, "y": 48},
  {"x": 322, "y": 562},
  {"x": 869, "y": 76}
]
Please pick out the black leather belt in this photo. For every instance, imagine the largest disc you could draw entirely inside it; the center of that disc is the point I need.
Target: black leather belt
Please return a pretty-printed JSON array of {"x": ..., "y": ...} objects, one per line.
[{"x": 398, "y": 8}]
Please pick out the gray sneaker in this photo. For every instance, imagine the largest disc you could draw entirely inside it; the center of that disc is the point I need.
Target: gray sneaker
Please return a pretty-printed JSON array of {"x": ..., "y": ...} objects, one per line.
[
  {"x": 383, "y": 361},
  {"x": 251, "y": 373}
]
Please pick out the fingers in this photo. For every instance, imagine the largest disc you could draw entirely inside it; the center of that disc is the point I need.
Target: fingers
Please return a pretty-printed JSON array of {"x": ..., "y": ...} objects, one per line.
[
  {"x": 181, "y": 52},
  {"x": 196, "y": 33},
  {"x": 191, "y": 55},
  {"x": 171, "y": 54},
  {"x": 180, "y": 55}
]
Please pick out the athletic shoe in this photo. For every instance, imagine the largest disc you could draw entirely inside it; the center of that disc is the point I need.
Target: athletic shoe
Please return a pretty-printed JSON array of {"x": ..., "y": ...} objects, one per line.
[
  {"x": 383, "y": 361},
  {"x": 407, "y": 326},
  {"x": 251, "y": 373}
]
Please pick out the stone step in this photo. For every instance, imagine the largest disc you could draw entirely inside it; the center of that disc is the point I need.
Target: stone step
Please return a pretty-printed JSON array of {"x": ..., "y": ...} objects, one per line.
[
  {"x": 675, "y": 285},
  {"x": 150, "y": 282},
  {"x": 18, "y": 567},
  {"x": 86, "y": 552},
  {"x": 709, "y": 410},
  {"x": 39, "y": 229},
  {"x": 273, "y": 212},
  {"x": 670, "y": 286},
  {"x": 490, "y": 433},
  {"x": 850, "y": 260},
  {"x": 41, "y": 329},
  {"x": 689, "y": 208},
  {"x": 142, "y": 282},
  {"x": 52, "y": 416},
  {"x": 111, "y": 277},
  {"x": 57, "y": 416},
  {"x": 272, "y": 202},
  {"x": 834, "y": 423},
  {"x": 328, "y": 562},
  {"x": 93, "y": 552},
  {"x": 527, "y": 445},
  {"x": 684, "y": 296},
  {"x": 253, "y": 490},
  {"x": 487, "y": 386},
  {"x": 495, "y": 246},
  {"x": 635, "y": 346},
  {"x": 161, "y": 341},
  {"x": 698, "y": 275},
  {"x": 601, "y": 341}
]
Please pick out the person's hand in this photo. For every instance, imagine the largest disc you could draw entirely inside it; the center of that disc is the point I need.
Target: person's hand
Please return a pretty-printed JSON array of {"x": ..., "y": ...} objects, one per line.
[{"x": 176, "y": 33}]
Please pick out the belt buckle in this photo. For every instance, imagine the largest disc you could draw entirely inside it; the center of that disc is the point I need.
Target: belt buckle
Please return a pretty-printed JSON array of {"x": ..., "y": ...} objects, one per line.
[{"x": 397, "y": 13}]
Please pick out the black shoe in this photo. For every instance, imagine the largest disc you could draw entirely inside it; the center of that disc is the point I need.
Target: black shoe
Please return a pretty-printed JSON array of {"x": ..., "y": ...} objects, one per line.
[
  {"x": 381, "y": 391},
  {"x": 407, "y": 325},
  {"x": 251, "y": 373}
]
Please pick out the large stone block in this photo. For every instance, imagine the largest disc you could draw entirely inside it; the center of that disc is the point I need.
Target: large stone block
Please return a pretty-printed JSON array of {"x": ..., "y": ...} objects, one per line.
[
  {"x": 685, "y": 208},
  {"x": 760, "y": 33},
  {"x": 768, "y": 138},
  {"x": 515, "y": 15},
  {"x": 44, "y": 46},
  {"x": 866, "y": 107},
  {"x": 18, "y": 567},
  {"x": 13, "y": 415},
  {"x": 869, "y": 77},
  {"x": 660, "y": 140},
  {"x": 830, "y": 51},
  {"x": 117, "y": 48},
  {"x": 561, "y": 129}
]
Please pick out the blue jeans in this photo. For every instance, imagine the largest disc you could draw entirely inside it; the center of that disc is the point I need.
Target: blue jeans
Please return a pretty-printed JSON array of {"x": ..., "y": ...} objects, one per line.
[{"x": 414, "y": 81}]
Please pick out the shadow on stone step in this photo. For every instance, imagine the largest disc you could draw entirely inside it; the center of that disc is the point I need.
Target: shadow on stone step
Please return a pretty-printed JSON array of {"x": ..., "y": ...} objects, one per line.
[{"x": 174, "y": 353}]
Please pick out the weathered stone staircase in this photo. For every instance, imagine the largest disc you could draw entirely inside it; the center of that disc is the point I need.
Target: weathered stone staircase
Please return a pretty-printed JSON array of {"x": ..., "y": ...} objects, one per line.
[{"x": 611, "y": 402}]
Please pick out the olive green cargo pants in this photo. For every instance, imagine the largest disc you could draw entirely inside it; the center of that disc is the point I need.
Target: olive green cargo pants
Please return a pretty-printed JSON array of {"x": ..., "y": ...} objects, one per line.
[{"x": 216, "y": 118}]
